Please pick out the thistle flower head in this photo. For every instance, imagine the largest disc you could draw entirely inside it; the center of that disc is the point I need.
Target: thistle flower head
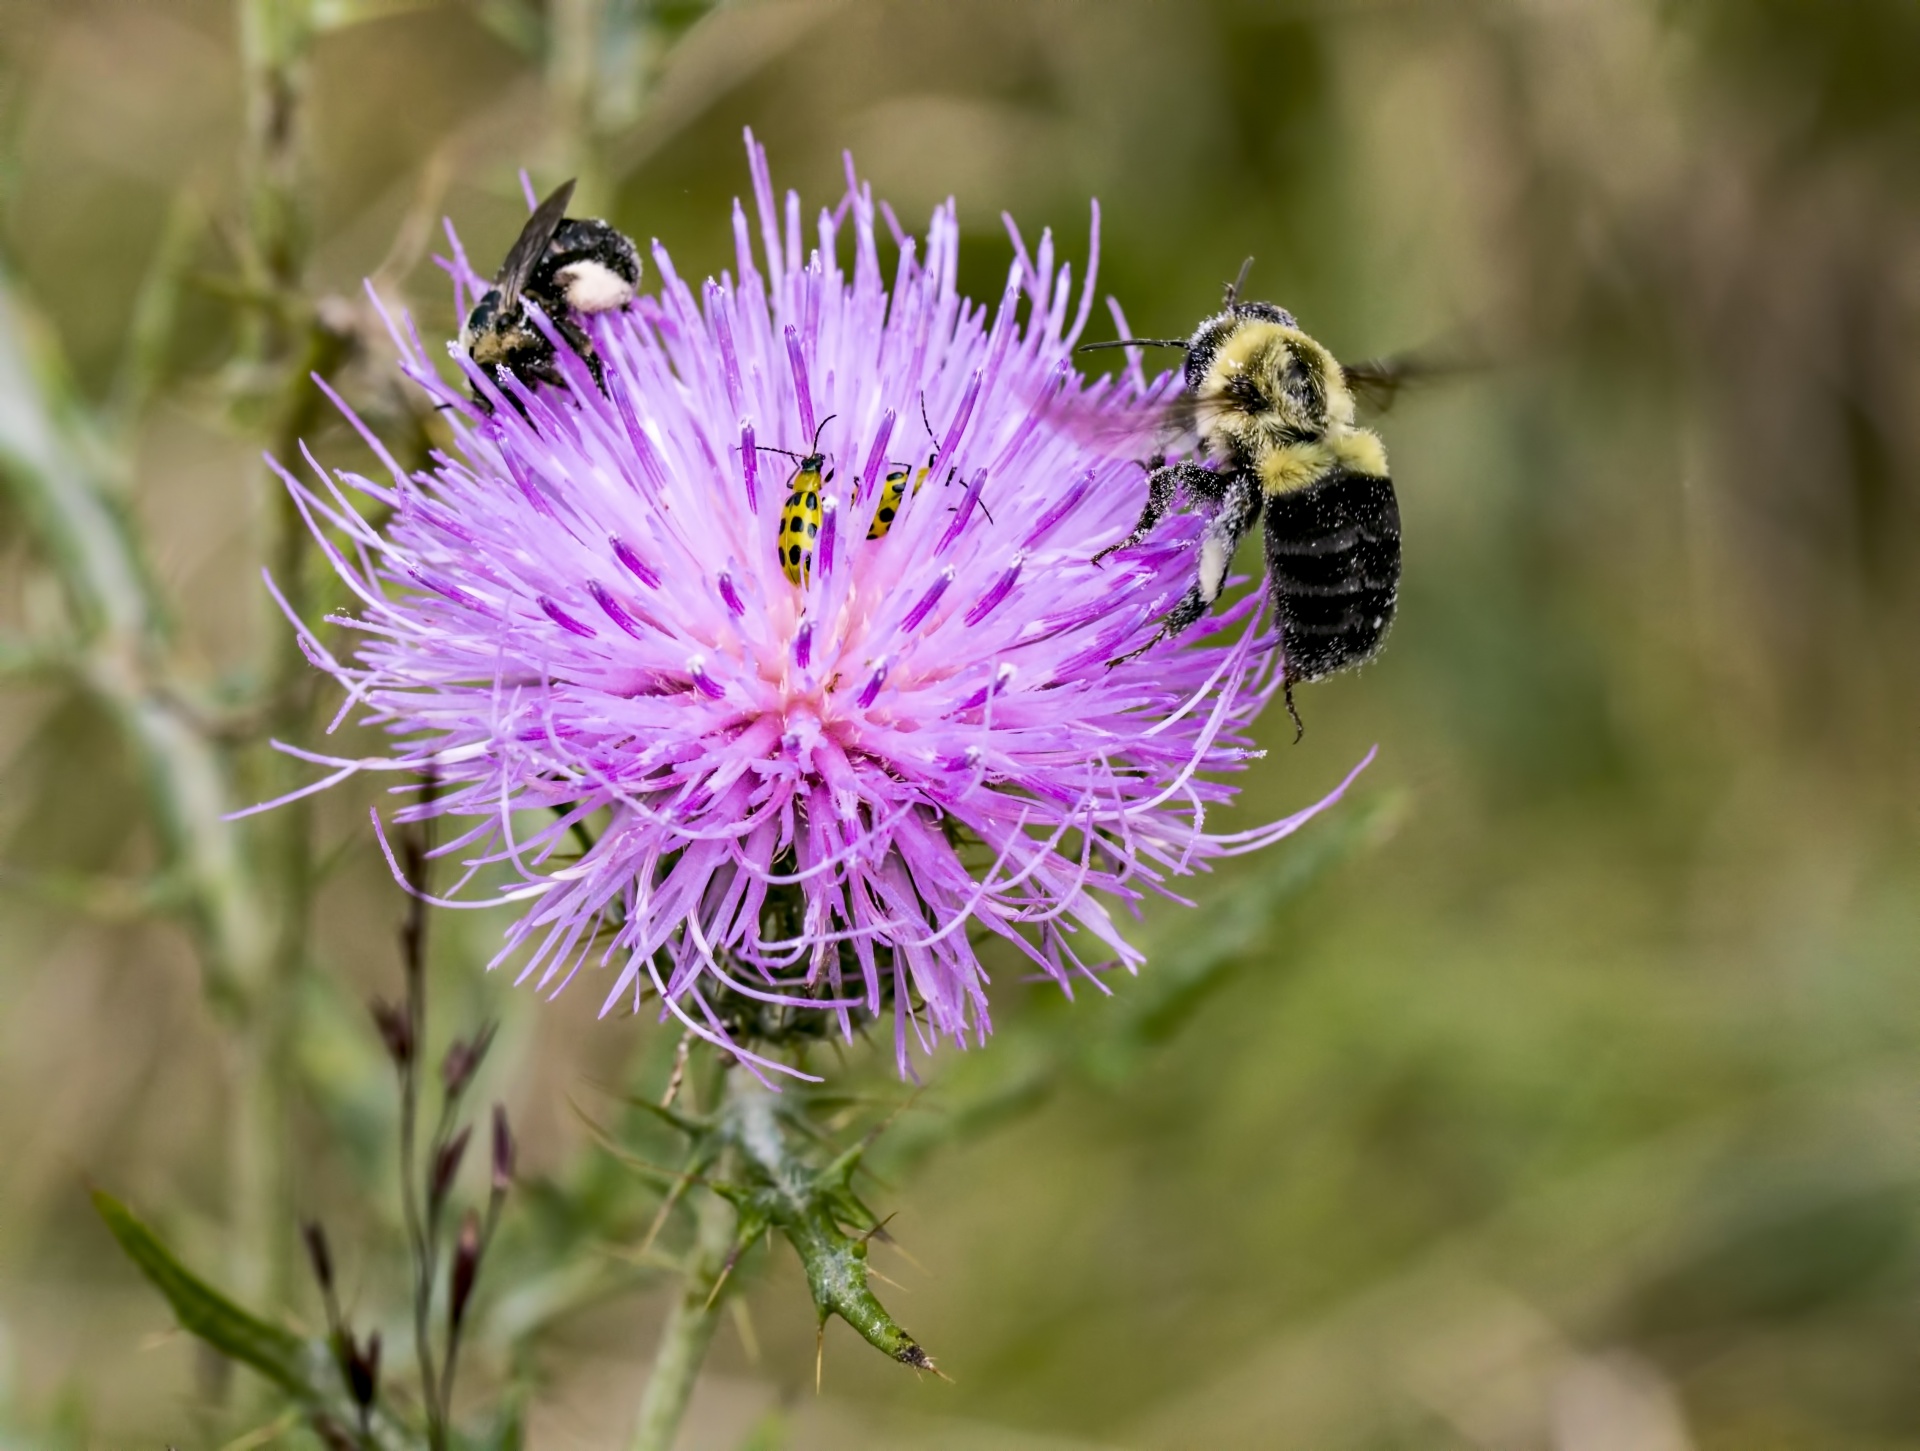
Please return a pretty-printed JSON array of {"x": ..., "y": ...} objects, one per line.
[{"x": 809, "y": 787}]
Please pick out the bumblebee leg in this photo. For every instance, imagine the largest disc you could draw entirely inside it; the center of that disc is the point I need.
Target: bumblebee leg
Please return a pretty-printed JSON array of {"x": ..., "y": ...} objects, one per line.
[
  {"x": 583, "y": 347},
  {"x": 1163, "y": 484},
  {"x": 1239, "y": 511}
]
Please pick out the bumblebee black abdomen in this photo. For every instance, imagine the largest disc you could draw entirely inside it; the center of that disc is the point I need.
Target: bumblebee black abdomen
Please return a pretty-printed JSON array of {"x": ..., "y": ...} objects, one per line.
[{"x": 1333, "y": 563}]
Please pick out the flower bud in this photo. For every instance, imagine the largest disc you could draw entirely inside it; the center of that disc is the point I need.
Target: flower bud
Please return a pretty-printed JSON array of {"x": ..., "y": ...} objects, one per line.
[
  {"x": 318, "y": 1255},
  {"x": 463, "y": 1061},
  {"x": 502, "y": 1150},
  {"x": 396, "y": 1030},
  {"x": 363, "y": 1371},
  {"x": 446, "y": 1164},
  {"x": 466, "y": 1268}
]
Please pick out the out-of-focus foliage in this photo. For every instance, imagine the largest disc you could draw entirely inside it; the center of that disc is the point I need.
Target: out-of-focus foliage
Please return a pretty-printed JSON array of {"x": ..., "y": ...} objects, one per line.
[{"x": 1578, "y": 1113}]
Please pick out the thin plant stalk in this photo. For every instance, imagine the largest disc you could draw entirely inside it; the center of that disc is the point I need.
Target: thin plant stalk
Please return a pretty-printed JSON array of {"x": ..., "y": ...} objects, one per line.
[
  {"x": 695, "y": 1315},
  {"x": 577, "y": 30},
  {"x": 420, "y": 1235},
  {"x": 120, "y": 656},
  {"x": 275, "y": 41}
]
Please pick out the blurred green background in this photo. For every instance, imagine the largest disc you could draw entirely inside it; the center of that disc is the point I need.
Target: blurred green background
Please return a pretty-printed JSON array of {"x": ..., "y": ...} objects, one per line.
[{"x": 1577, "y": 1106}]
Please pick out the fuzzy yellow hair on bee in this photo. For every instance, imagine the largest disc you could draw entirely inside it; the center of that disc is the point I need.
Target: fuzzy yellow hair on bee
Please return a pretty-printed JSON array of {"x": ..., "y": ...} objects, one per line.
[{"x": 1268, "y": 415}]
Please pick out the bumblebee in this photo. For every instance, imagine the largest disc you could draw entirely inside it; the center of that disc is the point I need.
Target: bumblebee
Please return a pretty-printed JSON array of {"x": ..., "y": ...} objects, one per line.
[
  {"x": 1267, "y": 416},
  {"x": 801, "y": 515},
  {"x": 571, "y": 267}
]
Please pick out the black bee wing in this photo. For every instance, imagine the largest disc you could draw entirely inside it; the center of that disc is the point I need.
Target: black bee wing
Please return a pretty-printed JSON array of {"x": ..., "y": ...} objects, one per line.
[
  {"x": 531, "y": 245},
  {"x": 1377, "y": 382}
]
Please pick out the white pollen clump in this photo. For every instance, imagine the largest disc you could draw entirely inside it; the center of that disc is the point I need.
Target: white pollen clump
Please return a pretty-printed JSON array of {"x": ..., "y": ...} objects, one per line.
[
  {"x": 1215, "y": 556},
  {"x": 592, "y": 287}
]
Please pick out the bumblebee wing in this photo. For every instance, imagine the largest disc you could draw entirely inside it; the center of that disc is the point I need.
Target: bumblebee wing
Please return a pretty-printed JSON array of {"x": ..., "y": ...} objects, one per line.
[
  {"x": 1166, "y": 424},
  {"x": 531, "y": 244},
  {"x": 1377, "y": 382}
]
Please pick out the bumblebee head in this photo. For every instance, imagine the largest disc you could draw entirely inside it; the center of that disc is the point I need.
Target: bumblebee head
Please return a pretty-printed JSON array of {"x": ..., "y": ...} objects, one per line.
[
  {"x": 500, "y": 333},
  {"x": 1264, "y": 384},
  {"x": 1232, "y": 321}
]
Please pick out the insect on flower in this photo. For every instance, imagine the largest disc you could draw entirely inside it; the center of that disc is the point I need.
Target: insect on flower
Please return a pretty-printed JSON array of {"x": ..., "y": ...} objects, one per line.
[
  {"x": 814, "y": 788},
  {"x": 570, "y": 267},
  {"x": 800, "y": 518},
  {"x": 1266, "y": 419}
]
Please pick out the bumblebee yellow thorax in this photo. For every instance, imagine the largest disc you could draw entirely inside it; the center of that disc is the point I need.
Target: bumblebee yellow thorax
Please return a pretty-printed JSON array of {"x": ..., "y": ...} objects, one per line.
[
  {"x": 1275, "y": 401},
  {"x": 1301, "y": 465}
]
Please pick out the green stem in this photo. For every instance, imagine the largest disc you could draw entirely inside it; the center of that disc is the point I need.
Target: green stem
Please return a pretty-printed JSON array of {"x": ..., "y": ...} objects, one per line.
[
  {"x": 275, "y": 41},
  {"x": 53, "y": 466},
  {"x": 576, "y": 33},
  {"x": 690, "y": 1325},
  {"x": 275, "y": 38}
]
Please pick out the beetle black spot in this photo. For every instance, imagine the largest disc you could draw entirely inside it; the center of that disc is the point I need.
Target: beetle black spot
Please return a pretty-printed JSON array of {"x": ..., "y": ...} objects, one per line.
[
  {"x": 886, "y": 516},
  {"x": 812, "y": 530},
  {"x": 813, "y": 501},
  {"x": 793, "y": 554}
]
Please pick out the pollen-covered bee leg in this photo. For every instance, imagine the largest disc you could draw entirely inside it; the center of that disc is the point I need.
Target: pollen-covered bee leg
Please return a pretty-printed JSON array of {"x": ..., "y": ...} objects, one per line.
[
  {"x": 1163, "y": 486},
  {"x": 1239, "y": 511}
]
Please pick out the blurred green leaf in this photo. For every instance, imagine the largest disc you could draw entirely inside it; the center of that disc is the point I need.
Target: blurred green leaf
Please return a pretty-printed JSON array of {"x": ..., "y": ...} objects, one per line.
[
  {"x": 515, "y": 22},
  {"x": 340, "y": 14},
  {"x": 769, "y": 1433},
  {"x": 1193, "y": 959},
  {"x": 279, "y": 1355},
  {"x": 1209, "y": 948},
  {"x": 507, "y": 1430},
  {"x": 155, "y": 318}
]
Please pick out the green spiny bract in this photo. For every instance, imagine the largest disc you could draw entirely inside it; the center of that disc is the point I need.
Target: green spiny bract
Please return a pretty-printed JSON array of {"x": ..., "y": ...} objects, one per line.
[{"x": 813, "y": 1205}]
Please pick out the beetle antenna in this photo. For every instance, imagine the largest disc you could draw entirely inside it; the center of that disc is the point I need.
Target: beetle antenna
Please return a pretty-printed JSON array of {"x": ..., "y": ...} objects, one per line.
[{"x": 819, "y": 427}]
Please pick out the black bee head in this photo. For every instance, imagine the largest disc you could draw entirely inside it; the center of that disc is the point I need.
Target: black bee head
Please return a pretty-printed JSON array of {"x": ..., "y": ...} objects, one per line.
[
  {"x": 480, "y": 320},
  {"x": 1212, "y": 334},
  {"x": 1262, "y": 312}
]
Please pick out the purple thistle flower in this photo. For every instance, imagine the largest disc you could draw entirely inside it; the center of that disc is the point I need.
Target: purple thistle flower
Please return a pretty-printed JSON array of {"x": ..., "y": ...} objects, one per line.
[{"x": 806, "y": 794}]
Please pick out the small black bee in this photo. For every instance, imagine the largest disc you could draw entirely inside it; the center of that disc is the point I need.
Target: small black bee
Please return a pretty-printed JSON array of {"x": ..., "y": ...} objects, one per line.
[
  {"x": 570, "y": 267},
  {"x": 1272, "y": 412}
]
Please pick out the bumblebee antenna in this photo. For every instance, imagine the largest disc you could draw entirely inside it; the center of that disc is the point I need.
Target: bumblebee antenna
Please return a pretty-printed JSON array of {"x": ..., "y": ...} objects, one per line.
[
  {"x": 1134, "y": 343},
  {"x": 1233, "y": 288}
]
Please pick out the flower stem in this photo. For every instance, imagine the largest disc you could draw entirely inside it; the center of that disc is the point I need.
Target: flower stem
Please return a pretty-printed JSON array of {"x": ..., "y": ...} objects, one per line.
[
  {"x": 275, "y": 41},
  {"x": 690, "y": 1323},
  {"x": 578, "y": 31},
  {"x": 51, "y": 466}
]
